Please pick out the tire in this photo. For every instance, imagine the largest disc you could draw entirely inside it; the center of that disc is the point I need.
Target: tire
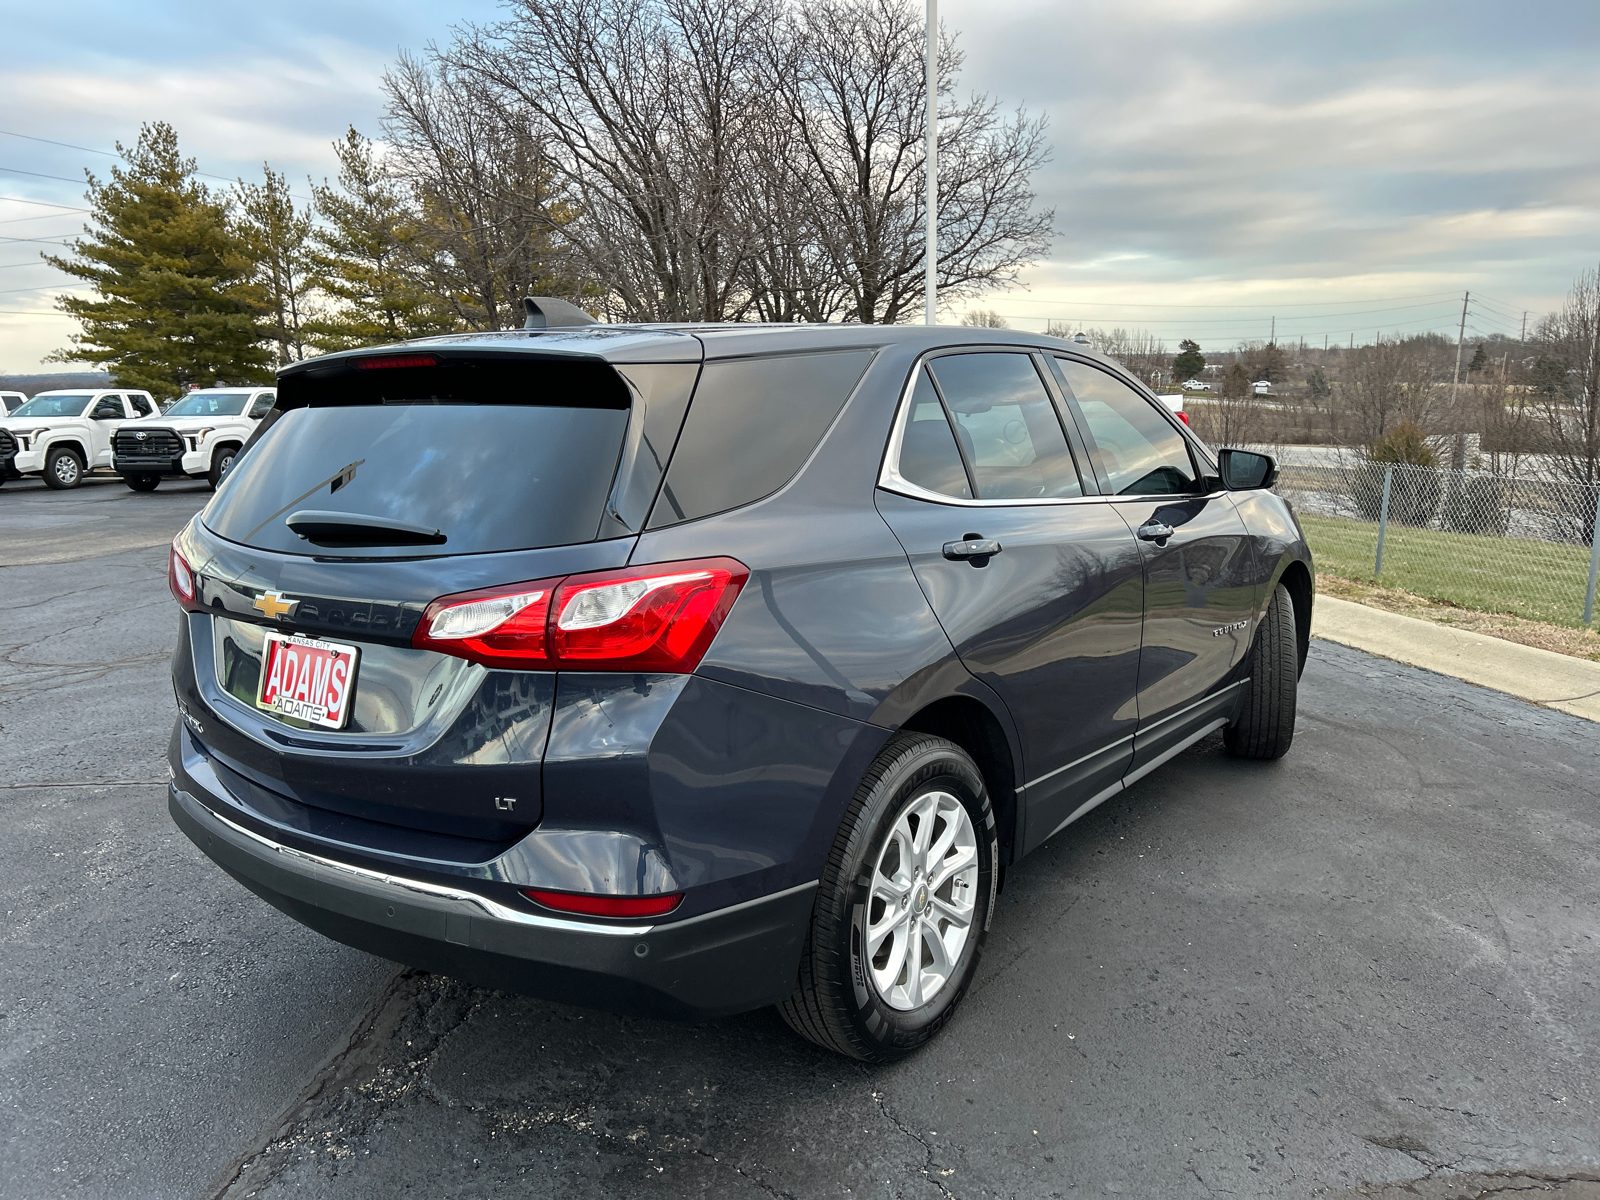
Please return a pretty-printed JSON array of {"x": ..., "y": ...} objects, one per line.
[
  {"x": 870, "y": 1005},
  {"x": 63, "y": 469},
  {"x": 221, "y": 459},
  {"x": 142, "y": 483},
  {"x": 1264, "y": 726}
]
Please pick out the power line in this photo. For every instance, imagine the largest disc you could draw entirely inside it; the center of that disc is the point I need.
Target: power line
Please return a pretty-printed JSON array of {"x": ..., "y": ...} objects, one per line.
[
  {"x": 44, "y": 203},
  {"x": 38, "y": 174},
  {"x": 112, "y": 154},
  {"x": 38, "y": 312},
  {"x": 1306, "y": 304}
]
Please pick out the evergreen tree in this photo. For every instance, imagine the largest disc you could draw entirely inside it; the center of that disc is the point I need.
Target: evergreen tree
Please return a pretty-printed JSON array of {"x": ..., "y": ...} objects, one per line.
[
  {"x": 1480, "y": 360},
  {"x": 369, "y": 257},
  {"x": 277, "y": 235},
  {"x": 1189, "y": 362},
  {"x": 176, "y": 306}
]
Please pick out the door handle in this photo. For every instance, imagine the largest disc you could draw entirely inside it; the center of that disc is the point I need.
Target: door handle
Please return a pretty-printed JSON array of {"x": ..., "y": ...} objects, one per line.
[
  {"x": 1155, "y": 531},
  {"x": 973, "y": 549}
]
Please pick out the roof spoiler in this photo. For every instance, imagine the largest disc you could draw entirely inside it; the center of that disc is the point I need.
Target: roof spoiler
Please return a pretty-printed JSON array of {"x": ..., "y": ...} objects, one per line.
[{"x": 546, "y": 312}]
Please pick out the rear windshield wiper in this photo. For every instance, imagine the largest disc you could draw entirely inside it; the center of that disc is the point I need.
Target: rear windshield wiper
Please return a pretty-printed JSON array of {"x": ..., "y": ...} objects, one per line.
[{"x": 358, "y": 529}]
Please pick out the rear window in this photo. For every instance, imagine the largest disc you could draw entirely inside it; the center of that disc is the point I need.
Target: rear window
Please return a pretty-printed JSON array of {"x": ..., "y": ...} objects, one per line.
[
  {"x": 752, "y": 423},
  {"x": 508, "y": 457}
]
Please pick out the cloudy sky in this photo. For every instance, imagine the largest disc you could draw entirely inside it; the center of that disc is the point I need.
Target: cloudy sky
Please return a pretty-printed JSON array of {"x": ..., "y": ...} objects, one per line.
[{"x": 1343, "y": 166}]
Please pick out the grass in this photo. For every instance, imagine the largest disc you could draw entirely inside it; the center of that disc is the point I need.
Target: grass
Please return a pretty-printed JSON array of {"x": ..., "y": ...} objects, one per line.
[{"x": 1536, "y": 581}]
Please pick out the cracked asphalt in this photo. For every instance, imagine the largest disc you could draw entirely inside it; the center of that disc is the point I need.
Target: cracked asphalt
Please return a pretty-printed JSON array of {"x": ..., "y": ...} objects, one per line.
[{"x": 1368, "y": 970}]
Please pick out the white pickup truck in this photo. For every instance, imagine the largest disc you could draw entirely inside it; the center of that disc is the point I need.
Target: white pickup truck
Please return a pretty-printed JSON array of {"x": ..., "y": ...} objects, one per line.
[
  {"x": 194, "y": 439},
  {"x": 63, "y": 435}
]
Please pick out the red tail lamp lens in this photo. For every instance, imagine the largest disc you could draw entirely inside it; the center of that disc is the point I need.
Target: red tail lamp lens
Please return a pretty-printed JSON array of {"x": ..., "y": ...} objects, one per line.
[
  {"x": 589, "y": 905},
  {"x": 180, "y": 578},
  {"x": 498, "y": 627},
  {"x": 1183, "y": 416},
  {"x": 385, "y": 361},
  {"x": 662, "y": 617}
]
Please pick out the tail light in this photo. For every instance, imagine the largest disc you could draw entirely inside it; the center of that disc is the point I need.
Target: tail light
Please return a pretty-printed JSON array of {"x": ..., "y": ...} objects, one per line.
[
  {"x": 590, "y": 905},
  {"x": 661, "y": 617},
  {"x": 180, "y": 578},
  {"x": 1183, "y": 416}
]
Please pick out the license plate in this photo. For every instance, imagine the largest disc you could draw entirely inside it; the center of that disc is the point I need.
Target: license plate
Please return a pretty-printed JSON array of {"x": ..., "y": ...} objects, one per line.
[{"x": 308, "y": 679}]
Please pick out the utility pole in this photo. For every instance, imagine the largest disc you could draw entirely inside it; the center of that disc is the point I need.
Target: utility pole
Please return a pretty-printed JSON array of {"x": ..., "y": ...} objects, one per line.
[
  {"x": 1458, "y": 454},
  {"x": 1274, "y": 338},
  {"x": 1523, "y": 336},
  {"x": 931, "y": 284}
]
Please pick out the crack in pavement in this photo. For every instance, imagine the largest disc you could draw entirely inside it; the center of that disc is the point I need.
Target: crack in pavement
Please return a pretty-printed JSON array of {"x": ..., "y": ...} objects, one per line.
[
  {"x": 367, "y": 1035},
  {"x": 929, "y": 1165}
]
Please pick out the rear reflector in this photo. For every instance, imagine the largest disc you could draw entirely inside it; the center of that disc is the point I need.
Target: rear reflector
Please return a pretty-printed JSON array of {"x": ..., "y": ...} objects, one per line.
[
  {"x": 661, "y": 617},
  {"x": 385, "y": 361},
  {"x": 590, "y": 905}
]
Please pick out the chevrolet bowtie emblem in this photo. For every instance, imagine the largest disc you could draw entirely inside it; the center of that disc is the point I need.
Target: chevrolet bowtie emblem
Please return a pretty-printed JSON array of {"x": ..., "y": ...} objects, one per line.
[{"x": 272, "y": 605}]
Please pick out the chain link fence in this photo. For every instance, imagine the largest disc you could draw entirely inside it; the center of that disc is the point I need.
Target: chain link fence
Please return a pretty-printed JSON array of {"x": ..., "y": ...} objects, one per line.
[{"x": 1528, "y": 547}]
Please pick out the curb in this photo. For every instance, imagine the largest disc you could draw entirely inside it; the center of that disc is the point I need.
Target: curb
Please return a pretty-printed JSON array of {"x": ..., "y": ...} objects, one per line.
[{"x": 1558, "y": 681}]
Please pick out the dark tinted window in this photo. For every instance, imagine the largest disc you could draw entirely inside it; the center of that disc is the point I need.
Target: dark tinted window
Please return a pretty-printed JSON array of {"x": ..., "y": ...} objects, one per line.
[
  {"x": 141, "y": 406},
  {"x": 489, "y": 477},
  {"x": 1141, "y": 454},
  {"x": 261, "y": 405},
  {"x": 751, "y": 424},
  {"x": 1008, "y": 426},
  {"x": 928, "y": 454},
  {"x": 108, "y": 407}
]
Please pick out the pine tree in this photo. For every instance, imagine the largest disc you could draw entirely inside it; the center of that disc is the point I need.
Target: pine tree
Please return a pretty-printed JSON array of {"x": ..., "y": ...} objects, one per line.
[
  {"x": 277, "y": 234},
  {"x": 366, "y": 257},
  {"x": 1189, "y": 362},
  {"x": 176, "y": 306},
  {"x": 1480, "y": 360}
]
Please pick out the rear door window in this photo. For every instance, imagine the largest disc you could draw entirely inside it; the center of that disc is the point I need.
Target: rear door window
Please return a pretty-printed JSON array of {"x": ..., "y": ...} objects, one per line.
[
  {"x": 751, "y": 425},
  {"x": 929, "y": 456},
  {"x": 510, "y": 457},
  {"x": 1008, "y": 427}
]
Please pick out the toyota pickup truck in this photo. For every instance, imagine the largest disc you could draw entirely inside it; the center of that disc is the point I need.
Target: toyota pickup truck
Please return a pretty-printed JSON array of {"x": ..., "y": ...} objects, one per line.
[
  {"x": 62, "y": 436},
  {"x": 196, "y": 438}
]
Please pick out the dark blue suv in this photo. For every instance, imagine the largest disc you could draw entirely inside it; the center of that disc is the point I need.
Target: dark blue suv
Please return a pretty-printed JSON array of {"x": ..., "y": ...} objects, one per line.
[{"x": 686, "y": 670}]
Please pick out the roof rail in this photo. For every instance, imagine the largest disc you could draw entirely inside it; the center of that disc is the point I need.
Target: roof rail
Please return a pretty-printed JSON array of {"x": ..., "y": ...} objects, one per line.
[{"x": 547, "y": 312}]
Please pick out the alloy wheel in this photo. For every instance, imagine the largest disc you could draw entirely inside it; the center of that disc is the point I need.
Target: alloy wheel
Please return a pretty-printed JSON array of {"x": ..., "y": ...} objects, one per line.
[
  {"x": 67, "y": 469},
  {"x": 922, "y": 900}
]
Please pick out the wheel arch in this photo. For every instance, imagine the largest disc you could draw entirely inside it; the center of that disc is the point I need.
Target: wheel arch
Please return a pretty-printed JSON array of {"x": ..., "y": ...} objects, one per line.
[
  {"x": 972, "y": 725},
  {"x": 68, "y": 442},
  {"x": 1296, "y": 576}
]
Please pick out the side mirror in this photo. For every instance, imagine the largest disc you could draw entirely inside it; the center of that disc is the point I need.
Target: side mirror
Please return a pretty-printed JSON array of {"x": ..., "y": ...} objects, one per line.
[{"x": 1244, "y": 470}]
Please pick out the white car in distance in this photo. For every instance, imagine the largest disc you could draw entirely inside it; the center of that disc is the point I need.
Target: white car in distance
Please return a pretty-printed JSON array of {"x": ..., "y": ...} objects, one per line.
[
  {"x": 196, "y": 438},
  {"x": 62, "y": 436}
]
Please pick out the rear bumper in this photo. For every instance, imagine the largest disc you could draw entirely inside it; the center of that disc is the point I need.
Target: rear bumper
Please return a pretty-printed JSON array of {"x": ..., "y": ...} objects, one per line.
[{"x": 726, "y": 961}]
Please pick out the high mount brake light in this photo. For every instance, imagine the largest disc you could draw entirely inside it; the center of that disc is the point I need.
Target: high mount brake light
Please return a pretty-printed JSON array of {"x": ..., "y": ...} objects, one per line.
[
  {"x": 590, "y": 905},
  {"x": 384, "y": 361},
  {"x": 662, "y": 617},
  {"x": 180, "y": 579}
]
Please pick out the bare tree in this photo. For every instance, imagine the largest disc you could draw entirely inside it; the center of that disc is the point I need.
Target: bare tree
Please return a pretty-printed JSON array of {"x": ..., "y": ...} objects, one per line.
[
  {"x": 1142, "y": 353},
  {"x": 1392, "y": 380},
  {"x": 983, "y": 318},
  {"x": 1567, "y": 381},
  {"x": 857, "y": 97},
  {"x": 493, "y": 218},
  {"x": 649, "y": 104}
]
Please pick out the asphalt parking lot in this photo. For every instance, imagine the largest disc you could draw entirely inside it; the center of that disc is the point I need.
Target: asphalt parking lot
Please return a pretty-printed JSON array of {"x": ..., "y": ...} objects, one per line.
[{"x": 1371, "y": 969}]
